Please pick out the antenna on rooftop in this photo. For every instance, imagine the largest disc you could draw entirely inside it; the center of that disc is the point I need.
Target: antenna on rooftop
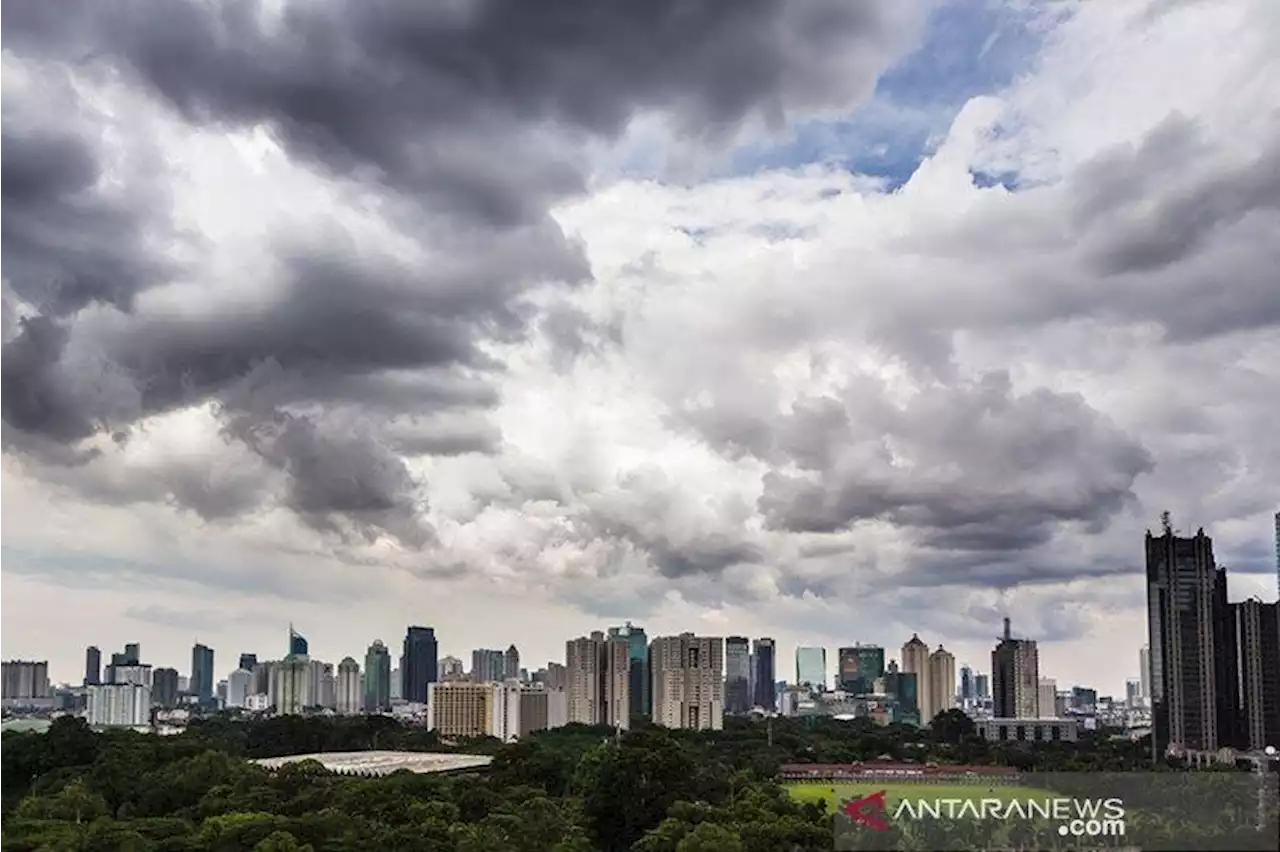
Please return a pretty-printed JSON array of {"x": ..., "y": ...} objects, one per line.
[
  {"x": 1166, "y": 522},
  {"x": 1008, "y": 629}
]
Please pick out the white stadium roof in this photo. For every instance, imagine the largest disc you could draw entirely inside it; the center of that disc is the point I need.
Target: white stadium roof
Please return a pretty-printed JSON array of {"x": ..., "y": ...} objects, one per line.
[{"x": 383, "y": 762}]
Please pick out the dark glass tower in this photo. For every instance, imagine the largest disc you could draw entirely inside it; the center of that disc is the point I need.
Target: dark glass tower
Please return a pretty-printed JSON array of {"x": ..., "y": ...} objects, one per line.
[
  {"x": 737, "y": 675},
  {"x": 1194, "y": 675},
  {"x": 418, "y": 666},
  {"x": 297, "y": 643},
  {"x": 377, "y": 678},
  {"x": 92, "y": 666},
  {"x": 639, "y": 678},
  {"x": 202, "y": 673},
  {"x": 248, "y": 662},
  {"x": 766, "y": 689}
]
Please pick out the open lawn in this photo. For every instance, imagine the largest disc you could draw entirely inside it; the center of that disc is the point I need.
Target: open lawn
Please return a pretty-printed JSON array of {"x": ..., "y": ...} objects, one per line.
[{"x": 836, "y": 794}]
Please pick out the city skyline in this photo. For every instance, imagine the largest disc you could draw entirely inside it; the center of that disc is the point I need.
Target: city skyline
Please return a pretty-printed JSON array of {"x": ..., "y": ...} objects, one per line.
[{"x": 916, "y": 325}]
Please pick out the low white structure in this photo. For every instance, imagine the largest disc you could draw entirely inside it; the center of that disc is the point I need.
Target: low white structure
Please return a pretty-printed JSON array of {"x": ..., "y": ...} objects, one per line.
[
  {"x": 126, "y": 705},
  {"x": 383, "y": 762}
]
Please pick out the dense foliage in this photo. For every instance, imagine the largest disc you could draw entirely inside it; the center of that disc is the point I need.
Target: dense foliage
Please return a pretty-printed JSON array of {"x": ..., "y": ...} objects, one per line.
[{"x": 575, "y": 789}]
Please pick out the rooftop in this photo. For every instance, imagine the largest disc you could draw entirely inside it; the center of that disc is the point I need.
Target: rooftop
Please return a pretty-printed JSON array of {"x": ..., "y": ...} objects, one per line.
[{"x": 383, "y": 762}]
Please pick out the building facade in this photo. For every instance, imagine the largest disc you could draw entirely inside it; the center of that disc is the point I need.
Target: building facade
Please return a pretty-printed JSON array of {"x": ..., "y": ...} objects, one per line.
[
  {"x": 639, "y": 686},
  {"x": 942, "y": 683},
  {"x": 1048, "y": 698},
  {"x": 92, "y": 666},
  {"x": 25, "y": 681},
  {"x": 239, "y": 684},
  {"x": 1015, "y": 677},
  {"x": 119, "y": 705},
  {"x": 348, "y": 699},
  {"x": 764, "y": 654},
  {"x": 688, "y": 681},
  {"x": 421, "y": 656},
  {"x": 811, "y": 668},
  {"x": 377, "y": 678},
  {"x": 859, "y": 667},
  {"x": 290, "y": 685},
  {"x": 737, "y": 675},
  {"x": 487, "y": 665},
  {"x": 202, "y": 674},
  {"x": 1255, "y": 643},
  {"x": 915, "y": 660},
  {"x": 164, "y": 688}
]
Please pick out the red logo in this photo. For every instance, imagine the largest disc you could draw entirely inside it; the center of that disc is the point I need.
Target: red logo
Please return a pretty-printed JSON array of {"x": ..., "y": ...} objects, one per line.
[{"x": 868, "y": 811}]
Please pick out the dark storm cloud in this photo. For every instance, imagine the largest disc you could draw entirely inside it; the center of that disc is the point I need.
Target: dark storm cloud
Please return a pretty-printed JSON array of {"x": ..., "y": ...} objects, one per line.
[
  {"x": 970, "y": 468},
  {"x": 469, "y": 116}
]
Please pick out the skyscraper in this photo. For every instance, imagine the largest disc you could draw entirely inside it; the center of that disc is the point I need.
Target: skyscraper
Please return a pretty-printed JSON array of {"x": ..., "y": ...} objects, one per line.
[
  {"x": 421, "y": 656},
  {"x": 1278, "y": 560},
  {"x": 737, "y": 675},
  {"x": 297, "y": 643},
  {"x": 487, "y": 665},
  {"x": 348, "y": 700},
  {"x": 132, "y": 654},
  {"x": 905, "y": 688},
  {"x": 811, "y": 667},
  {"x": 860, "y": 667},
  {"x": 966, "y": 684},
  {"x": 598, "y": 673},
  {"x": 688, "y": 681},
  {"x": 981, "y": 687},
  {"x": 1254, "y": 641},
  {"x": 201, "y": 673},
  {"x": 377, "y": 678},
  {"x": 638, "y": 687},
  {"x": 1047, "y": 701},
  {"x": 915, "y": 660},
  {"x": 1144, "y": 673},
  {"x": 248, "y": 662},
  {"x": 942, "y": 682},
  {"x": 511, "y": 663},
  {"x": 1015, "y": 677},
  {"x": 1193, "y": 687},
  {"x": 765, "y": 674},
  {"x": 164, "y": 688},
  {"x": 92, "y": 666}
]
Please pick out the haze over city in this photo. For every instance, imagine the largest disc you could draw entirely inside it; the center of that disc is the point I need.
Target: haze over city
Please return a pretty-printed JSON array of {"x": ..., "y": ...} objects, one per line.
[{"x": 823, "y": 321}]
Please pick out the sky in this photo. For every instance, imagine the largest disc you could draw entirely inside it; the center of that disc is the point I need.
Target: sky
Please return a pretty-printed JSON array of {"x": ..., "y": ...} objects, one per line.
[{"x": 832, "y": 322}]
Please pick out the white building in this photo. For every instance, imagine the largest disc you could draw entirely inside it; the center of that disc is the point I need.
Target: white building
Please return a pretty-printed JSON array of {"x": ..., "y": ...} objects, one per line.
[
  {"x": 139, "y": 675},
  {"x": 291, "y": 685},
  {"x": 349, "y": 699},
  {"x": 258, "y": 702},
  {"x": 119, "y": 705},
  {"x": 239, "y": 686},
  {"x": 1047, "y": 699},
  {"x": 688, "y": 681}
]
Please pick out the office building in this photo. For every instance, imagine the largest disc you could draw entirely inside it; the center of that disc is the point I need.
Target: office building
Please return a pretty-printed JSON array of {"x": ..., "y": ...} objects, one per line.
[
  {"x": 915, "y": 660},
  {"x": 327, "y": 695},
  {"x": 487, "y": 665},
  {"x": 348, "y": 701},
  {"x": 451, "y": 668},
  {"x": 1082, "y": 700},
  {"x": 966, "y": 684},
  {"x": 542, "y": 709},
  {"x": 92, "y": 666},
  {"x": 639, "y": 687},
  {"x": 811, "y": 668},
  {"x": 298, "y": 644},
  {"x": 1254, "y": 632},
  {"x": 942, "y": 683},
  {"x": 688, "y": 681},
  {"x": 1015, "y": 677},
  {"x": 1133, "y": 693},
  {"x": 764, "y": 652},
  {"x": 248, "y": 662},
  {"x": 164, "y": 688},
  {"x": 132, "y": 654},
  {"x": 378, "y": 678},
  {"x": 981, "y": 687},
  {"x": 511, "y": 663},
  {"x": 737, "y": 675},
  {"x": 904, "y": 688},
  {"x": 1046, "y": 703},
  {"x": 421, "y": 655},
  {"x": 239, "y": 688},
  {"x": 462, "y": 709},
  {"x": 859, "y": 668},
  {"x": 139, "y": 674},
  {"x": 25, "y": 681},
  {"x": 202, "y": 674},
  {"x": 119, "y": 705},
  {"x": 1193, "y": 688},
  {"x": 290, "y": 685}
]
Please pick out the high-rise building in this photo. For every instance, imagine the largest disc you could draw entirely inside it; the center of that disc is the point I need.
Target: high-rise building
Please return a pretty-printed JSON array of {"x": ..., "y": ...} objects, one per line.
[
  {"x": 966, "y": 684},
  {"x": 1144, "y": 673},
  {"x": 981, "y": 687},
  {"x": 421, "y": 655},
  {"x": 688, "y": 681},
  {"x": 297, "y": 644},
  {"x": 1015, "y": 677},
  {"x": 348, "y": 700},
  {"x": 598, "y": 671},
  {"x": 1133, "y": 692},
  {"x": 92, "y": 666},
  {"x": 377, "y": 678},
  {"x": 860, "y": 667},
  {"x": 462, "y": 709},
  {"x": 555, "y": 676},
  {"x": 119, "y": 705},
  {"x": 915, "y": 660},
  {"x": 201, "y": 674},
  {"x": 638, "y": 642},
  {"x": 248, "y": 662},
  {"x": 811, "y": 667},
  {"x": 164, "y": 688},
  {"x": 766, "y": 686},
  {"x": 1193, "y": 687},
  {"x": 737, "y": 675},
  {"x": 1278, "y": 559},
  {"x": 942, "y": 682},
  {"x": 25, "y": 680},
  {"x": 451, "y": 668},
  {"x": 1083, "y": 700},
  {"x": 1046, "y": 702},
  {"x": 904, "y": 687},
  {"x": 1254, "y": 632},
  {"x": 327, "y": 695},
  {"x": 290, "y": 685},
  {"x": 511, "y": 663},
  {"x": 488, "y": 665},
  {"x": 132, "y": 654},
  {"x": 239, "y": 686}
]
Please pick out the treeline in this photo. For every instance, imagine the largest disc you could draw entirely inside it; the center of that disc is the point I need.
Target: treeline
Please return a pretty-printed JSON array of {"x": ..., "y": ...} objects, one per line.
[{"x": 573, "y": 789}]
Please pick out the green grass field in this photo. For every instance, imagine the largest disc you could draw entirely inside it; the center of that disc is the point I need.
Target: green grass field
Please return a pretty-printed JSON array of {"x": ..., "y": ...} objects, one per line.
[{"x": 834, "y": 794}]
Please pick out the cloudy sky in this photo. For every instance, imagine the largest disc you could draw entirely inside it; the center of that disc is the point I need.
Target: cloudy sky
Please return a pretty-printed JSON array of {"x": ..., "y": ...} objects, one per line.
[{"x": 823, "y": 320}]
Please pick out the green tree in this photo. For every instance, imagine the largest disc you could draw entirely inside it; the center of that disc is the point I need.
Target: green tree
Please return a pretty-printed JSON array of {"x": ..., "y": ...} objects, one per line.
[
  {"x": 710, "y": 837},
  {"x": 281, "y": 841}
]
